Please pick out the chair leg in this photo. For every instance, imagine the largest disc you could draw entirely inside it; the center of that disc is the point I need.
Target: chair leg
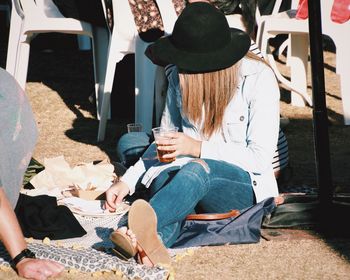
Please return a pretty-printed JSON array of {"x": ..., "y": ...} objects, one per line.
[
  {"x": 345, "y": 94},
  {"x": 343, "y": 70},
  {"x": 298, "y": 64},
  {"x": 22, "y": 62},
  {"x": 283, "y": 47},
  {"x": 144, "y": 86},
  {"x": 302, "y": 94},
  {"x": 108, "y": 84},
  {"x": 100, "y": 50},
  {"x": 13, "y": 42}
]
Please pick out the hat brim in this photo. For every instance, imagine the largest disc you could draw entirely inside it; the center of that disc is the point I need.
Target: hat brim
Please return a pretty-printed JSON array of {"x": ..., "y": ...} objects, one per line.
[{"x": 164, "y": 52}]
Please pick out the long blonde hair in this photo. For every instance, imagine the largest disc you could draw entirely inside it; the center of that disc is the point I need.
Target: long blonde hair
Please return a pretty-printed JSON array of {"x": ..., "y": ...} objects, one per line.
[{"x": 205, "y": 96}]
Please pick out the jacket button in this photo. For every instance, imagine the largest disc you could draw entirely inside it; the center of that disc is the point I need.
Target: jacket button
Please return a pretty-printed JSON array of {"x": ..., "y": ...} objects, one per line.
[
  {"x": 241, "y": 118},
  {"x": 254, "y": 183}
]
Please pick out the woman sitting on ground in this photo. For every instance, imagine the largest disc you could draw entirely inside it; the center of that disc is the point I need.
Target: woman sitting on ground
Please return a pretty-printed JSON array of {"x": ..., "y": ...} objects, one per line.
[
  {"x": 132, "y": 145},
  {"x": 225, "y": 102}
]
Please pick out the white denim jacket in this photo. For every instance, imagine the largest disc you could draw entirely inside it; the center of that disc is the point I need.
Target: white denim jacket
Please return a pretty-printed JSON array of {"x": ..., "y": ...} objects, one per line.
[{"x": 249, "y": 134}]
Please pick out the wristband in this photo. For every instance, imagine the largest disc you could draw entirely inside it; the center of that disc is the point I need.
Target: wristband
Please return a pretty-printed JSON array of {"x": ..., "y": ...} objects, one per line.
[{"x": 26, "y": 253}]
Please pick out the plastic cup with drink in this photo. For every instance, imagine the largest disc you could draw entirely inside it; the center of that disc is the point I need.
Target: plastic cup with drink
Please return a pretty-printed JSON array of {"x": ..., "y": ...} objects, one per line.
[{"x": 163, "y": 133}]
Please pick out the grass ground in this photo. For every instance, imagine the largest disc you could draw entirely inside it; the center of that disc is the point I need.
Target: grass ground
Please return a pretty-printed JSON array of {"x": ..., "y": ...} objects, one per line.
[{"x": 59, "y": 86}]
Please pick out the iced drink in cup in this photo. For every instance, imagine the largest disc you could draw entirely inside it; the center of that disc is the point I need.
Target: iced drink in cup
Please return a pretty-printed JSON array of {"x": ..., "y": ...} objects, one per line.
[{"x": 163, "y": 133}]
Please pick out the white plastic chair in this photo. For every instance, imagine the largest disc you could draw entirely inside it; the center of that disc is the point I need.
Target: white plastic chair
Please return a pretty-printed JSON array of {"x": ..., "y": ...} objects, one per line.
[
  {"x": 298, "y": 57},
  {"x": 125, "y": 40},
  {"x": 340, "y": 34},
  {"x": 277, "y": 23},
  {"x": 29, "y": 18}
]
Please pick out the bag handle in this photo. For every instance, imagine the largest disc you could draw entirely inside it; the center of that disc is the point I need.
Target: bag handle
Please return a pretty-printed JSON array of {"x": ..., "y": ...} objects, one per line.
[{"x": 216, "y": 216}]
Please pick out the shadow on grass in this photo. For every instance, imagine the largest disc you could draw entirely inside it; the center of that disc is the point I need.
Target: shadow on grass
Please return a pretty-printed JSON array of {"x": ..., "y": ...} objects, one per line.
[{"x": 56, "y": 62}]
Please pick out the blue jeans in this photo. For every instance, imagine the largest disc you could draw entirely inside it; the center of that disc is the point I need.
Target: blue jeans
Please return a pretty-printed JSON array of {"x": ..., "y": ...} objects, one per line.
[{"x": 209, "y": 185}]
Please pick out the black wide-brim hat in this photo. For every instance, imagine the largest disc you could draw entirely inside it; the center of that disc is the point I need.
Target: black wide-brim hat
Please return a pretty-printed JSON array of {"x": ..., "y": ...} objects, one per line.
[{"x": 202, "y": 41}]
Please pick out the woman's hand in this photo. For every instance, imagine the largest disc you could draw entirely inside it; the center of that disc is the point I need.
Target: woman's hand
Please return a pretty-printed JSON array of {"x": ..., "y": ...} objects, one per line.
[
  {"x": 115, "y": 195},
  {"x": 38, "y": 269},
  {"x": 180, "y": 144}
]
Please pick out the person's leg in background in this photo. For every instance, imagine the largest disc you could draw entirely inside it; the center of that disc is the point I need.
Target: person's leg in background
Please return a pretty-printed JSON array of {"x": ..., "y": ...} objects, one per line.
[{"x": 131, "y": 146}]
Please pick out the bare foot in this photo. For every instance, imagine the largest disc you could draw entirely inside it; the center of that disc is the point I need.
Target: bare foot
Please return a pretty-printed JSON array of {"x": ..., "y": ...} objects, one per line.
[{"x": 141, "y": 255}]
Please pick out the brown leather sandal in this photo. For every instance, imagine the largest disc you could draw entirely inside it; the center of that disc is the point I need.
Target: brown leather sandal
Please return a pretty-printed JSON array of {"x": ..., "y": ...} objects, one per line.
[{"x": 123, "y": 246}]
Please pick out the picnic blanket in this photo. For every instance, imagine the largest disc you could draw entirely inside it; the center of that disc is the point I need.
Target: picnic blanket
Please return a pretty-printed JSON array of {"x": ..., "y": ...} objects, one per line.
[
  {"x": 90, "y": 260},
  {"x": 90, "y": 253}
]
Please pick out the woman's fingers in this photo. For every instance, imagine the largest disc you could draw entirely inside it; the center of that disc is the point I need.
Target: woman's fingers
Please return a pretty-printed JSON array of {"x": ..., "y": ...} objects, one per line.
[
  {"x": 110, "y": 203},
  {"x": 169, "y": 151},
  {"x": 176, "y": 146},
  {"x": 179, "y": 145},
  {"x": 115, "y": 195}
]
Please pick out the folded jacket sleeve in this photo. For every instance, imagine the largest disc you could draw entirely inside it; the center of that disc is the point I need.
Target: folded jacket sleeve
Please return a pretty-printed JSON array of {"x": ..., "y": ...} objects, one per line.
[
  {"x": 134, "y": 173},
  {"x": 171, "y": 117}
]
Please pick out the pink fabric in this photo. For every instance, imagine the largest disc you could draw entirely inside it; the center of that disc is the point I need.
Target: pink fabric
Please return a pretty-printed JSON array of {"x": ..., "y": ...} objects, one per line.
[
  {"x": 340, "y": 10},
  {"x": 303, "y": 11}
]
